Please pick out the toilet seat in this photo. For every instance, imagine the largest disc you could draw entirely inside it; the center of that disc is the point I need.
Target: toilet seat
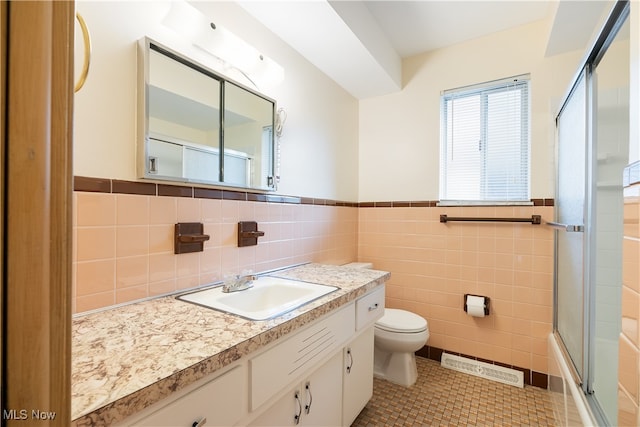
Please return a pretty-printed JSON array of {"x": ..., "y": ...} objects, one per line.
[{"x": 401, "y": 321}]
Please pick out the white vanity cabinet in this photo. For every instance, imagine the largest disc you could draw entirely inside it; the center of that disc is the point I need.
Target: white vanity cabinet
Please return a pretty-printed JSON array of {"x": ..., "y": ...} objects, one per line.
[
  {"x": 320, "y": 375},
  {"x": 221, "y": 401},
  {"x": 312, "y": 402}
]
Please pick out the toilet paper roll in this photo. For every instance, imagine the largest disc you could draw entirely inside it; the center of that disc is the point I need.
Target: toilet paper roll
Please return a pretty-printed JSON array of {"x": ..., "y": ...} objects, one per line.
[{"x": 475, "y": 306}]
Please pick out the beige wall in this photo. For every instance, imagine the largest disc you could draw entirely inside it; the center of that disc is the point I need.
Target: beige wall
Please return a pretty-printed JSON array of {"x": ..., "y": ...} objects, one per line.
[
  {"x": 400, "y": 133},
  {"x": 123, "y": 243},
  {"x": 123, "y": 249},
  {"x": 320, "y": 141},
  {"x": 434, "y": 264}
]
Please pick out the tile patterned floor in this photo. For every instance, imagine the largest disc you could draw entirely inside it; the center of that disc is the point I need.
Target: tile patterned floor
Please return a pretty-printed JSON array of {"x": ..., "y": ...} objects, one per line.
[{"x": 443, "y": 397}]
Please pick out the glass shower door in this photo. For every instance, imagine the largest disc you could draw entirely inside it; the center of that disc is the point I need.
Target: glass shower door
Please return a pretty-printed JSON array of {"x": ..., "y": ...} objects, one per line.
[
  {"x": 611, "y": 109},
  {"x": 570, "y": 219},
  {"x": 593, "y": 145}
]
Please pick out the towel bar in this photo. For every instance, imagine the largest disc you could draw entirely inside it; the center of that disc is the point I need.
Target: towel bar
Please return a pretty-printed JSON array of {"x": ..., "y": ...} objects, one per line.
[{"x": 535, "y": 219}]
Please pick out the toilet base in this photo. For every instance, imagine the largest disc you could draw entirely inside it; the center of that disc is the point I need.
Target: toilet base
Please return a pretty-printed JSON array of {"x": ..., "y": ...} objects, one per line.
[{"x": 398, "y": 368}]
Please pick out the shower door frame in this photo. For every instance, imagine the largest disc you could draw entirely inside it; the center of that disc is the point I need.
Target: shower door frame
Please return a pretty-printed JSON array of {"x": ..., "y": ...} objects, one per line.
[
  {"x": 578, "y": 372},
  {"x": 617, "y": 17}
]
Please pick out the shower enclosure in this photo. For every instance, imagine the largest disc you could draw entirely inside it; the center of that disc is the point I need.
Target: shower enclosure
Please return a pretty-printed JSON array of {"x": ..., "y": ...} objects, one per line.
[{"x": 592, "y": 152}]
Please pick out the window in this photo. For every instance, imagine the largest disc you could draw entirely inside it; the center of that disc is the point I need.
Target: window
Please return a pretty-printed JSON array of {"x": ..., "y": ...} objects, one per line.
[{"x": 484, "y": 144}]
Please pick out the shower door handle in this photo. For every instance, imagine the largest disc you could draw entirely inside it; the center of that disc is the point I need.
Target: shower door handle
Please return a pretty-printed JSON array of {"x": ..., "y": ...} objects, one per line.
[{"x": 569, "y": 228}]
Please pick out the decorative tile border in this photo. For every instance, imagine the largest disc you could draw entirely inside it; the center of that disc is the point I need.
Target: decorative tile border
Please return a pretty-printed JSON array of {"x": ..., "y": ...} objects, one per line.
[
  {"x": 399, "y": 204},
  {"x": 105, "y": 185},
  {"x": 434, "y": 203}
]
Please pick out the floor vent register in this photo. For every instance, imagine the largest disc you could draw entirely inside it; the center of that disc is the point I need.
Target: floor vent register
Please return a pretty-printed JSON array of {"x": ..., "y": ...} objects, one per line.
[{"x": 484, "y": 370}]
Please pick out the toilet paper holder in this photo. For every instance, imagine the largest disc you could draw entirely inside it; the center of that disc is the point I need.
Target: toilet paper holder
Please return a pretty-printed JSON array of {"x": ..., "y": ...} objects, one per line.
[{"x": 487, "y": 301}]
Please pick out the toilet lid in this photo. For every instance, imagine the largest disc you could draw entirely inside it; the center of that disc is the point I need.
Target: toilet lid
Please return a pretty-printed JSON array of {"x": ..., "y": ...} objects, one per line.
[{"x": 395, "y": 320}]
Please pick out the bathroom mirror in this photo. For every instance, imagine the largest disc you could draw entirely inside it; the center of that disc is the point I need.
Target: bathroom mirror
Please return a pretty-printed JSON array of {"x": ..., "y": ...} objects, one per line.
[{"x": 191, "y": 114}]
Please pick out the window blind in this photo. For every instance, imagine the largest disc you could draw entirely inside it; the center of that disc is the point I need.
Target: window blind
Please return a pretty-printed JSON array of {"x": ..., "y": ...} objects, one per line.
[{"x": 485, "y": 142}]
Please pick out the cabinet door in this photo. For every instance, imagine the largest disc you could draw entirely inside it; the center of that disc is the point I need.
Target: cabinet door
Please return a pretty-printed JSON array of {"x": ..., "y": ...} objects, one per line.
[
  {"x": 221, "y": 401},
  {"x": 277, "y": 368},
  {"x": 358, "y": 375},
  {"x": 321, "y": 397},
  {"x": 284, "y": 412},
  {"x": 314, "y": 402}
]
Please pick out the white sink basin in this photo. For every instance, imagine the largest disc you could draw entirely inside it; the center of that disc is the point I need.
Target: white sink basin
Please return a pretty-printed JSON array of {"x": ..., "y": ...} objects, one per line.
[{"x": 269, "y": 297}]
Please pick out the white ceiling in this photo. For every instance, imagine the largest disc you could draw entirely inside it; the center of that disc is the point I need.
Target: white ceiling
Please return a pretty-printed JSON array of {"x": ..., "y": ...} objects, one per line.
[
  {"x": 360, "y": 44},
  {"x": 414, "y": 27}
]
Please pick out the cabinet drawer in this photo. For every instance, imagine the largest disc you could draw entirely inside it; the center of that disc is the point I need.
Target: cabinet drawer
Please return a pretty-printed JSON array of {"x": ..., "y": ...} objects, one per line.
[
  {"x": 221, "y": 401},
  {"x": 369, "y": 308},
  {"x": 272, "y": 370}
]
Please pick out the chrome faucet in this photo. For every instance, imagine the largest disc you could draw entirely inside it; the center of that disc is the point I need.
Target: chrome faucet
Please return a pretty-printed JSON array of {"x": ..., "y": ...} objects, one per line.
[{"x": 238, "y": 282}]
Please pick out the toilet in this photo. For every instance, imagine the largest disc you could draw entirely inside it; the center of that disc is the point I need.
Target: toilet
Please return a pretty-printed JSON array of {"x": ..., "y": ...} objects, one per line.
[{"x": 398, "y": 334}]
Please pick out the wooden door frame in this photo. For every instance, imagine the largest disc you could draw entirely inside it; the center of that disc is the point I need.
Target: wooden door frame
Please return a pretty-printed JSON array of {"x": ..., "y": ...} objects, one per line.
[
  {"x": 3, "y": 100},
  {"x": 37, "y": 206}
]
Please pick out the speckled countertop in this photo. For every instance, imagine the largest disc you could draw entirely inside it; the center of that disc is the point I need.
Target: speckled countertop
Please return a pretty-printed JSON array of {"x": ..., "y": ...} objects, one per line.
[{"x": 127, "y": 358}]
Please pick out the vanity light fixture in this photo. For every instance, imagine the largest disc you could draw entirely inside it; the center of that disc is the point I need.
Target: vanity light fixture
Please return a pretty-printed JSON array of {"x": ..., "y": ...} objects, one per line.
[{"x": 216, "y": 40}]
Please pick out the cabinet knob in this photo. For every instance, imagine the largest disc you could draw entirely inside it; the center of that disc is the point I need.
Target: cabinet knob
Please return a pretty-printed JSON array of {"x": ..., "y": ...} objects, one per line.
[
  {"x": 200, "y": 423},
  {"x": 373, "y": 307}
]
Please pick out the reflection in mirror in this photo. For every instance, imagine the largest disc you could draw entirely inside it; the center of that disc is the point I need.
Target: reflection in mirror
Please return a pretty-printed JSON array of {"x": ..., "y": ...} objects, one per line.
[
  {"x": 182, "y": 107},
  {"x": 184, "y": 120},
  {"x": 247, "y": 119}
]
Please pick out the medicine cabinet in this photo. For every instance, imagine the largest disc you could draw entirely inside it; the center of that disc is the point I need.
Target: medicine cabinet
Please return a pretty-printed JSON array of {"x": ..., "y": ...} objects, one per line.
[{"x": 198, "y": 126}]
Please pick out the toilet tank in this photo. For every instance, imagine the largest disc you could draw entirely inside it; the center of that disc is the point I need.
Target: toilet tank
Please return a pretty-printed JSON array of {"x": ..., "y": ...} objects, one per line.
[{"x": 359, "y": 265}]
